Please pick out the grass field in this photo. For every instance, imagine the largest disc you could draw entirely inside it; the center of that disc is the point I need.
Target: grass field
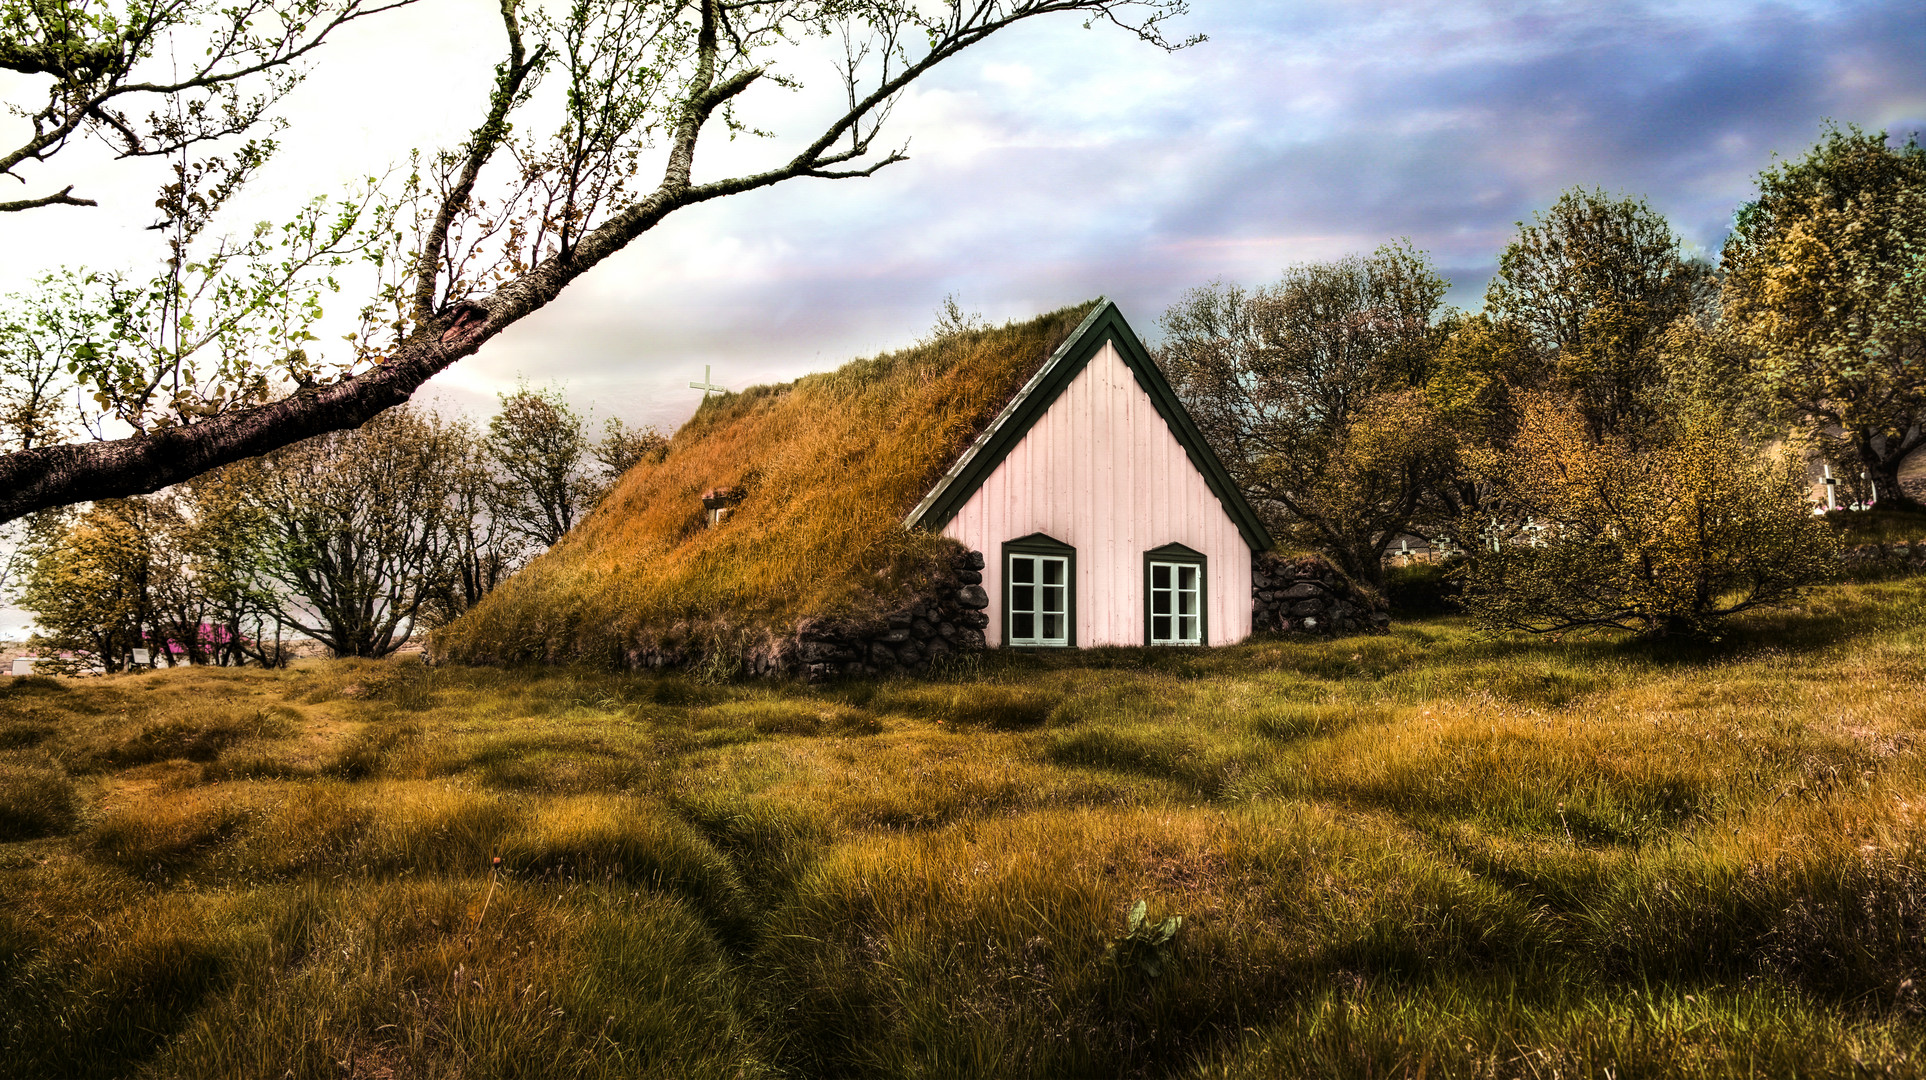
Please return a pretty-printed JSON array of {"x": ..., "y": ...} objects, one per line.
[{"x": 1423, "y": 854}]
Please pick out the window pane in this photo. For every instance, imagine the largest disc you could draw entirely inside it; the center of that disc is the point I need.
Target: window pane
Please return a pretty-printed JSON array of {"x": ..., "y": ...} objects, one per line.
[
  {"x": 1022, "y": 569},
  {"x": 1053, "y": 598},
  {"x": 1159, "y": 576},
  {"x": 1186, "y": 629},
  {"x": 1160, "y": 602},
  {"x": 1023, "y": 627},
  {"x": 1023, "y": 598},
  {"x": 1053, "y": 571},
  {"x": 1160, "y": 628},
  {"x": 1053, "y": 628},
  {"x": 1186, "y": 603},
  {"x": 1187, "y": 577}
]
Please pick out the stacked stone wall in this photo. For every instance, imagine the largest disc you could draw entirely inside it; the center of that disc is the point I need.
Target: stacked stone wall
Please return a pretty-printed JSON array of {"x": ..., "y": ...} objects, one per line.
[
  {"x": 1305, "y": 595},
  {"x": 946, "y": 619}
]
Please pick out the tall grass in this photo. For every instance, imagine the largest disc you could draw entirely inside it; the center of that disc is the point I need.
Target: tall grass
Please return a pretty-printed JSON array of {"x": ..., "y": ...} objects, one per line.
[
  {"x": 1427, "y": 853},
  {"x": 830, "y": 465}
]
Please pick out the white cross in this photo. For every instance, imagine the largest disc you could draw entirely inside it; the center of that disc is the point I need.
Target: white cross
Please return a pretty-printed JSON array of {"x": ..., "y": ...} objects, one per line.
[{"x": 705, "y": 385}]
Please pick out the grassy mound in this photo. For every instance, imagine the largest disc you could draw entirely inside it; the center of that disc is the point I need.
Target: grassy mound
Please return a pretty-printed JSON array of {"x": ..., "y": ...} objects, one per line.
[{"x": 829, "y": 464}]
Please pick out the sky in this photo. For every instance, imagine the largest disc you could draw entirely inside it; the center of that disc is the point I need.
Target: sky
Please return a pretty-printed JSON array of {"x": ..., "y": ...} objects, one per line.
[{"x": 1055, "y": 163}]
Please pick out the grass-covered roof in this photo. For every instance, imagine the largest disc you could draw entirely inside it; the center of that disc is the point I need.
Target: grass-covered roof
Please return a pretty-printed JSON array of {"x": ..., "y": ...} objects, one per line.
[{"x": 829, "y": 465}]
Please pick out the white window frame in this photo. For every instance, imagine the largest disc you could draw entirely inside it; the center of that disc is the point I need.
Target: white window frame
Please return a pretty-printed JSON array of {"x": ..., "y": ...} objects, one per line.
[
  {"x": 1037, "y": 563},
  {"x": 1177, "y": 594}
]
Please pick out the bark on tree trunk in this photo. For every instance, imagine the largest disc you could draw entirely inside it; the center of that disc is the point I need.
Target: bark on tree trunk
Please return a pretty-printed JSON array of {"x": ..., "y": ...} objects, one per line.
[{"x": 1889, "y": 494}]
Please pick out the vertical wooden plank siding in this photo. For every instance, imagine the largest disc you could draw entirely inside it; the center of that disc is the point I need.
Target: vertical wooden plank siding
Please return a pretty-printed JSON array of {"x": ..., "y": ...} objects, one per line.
[{"x": 1101, "y": 472}]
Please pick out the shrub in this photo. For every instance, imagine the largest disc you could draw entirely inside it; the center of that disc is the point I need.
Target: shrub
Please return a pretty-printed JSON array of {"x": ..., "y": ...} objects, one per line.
[
  {"x": 1661, "y": 541},
  {"x": 1421, "y": 589}
]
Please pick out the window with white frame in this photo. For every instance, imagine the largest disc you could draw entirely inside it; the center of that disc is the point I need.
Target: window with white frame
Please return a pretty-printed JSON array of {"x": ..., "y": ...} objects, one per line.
[
  {"x": 1174, "y": 596},
  {"x": 1038, "y": 604}
]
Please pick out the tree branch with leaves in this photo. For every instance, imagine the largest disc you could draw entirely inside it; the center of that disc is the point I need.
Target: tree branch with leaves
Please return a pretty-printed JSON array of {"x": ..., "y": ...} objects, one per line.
[
  {"x": 102, "y": 66},
  {"x": 495, "y": 230}
]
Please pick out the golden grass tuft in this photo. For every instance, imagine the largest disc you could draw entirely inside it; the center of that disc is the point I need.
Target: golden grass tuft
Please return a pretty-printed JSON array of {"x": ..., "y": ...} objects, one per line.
[{"x": 831, "y": 464}]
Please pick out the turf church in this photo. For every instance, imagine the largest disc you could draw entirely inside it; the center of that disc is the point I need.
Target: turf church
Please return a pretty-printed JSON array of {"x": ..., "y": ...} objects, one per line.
[{"x": 1103, "y": 516}]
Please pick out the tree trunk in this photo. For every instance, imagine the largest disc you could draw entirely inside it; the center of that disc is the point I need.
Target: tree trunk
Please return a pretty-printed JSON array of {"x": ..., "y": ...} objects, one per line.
[
  {"x": 1889, "y": 494},
  {"x": 1881, "y": 458}
]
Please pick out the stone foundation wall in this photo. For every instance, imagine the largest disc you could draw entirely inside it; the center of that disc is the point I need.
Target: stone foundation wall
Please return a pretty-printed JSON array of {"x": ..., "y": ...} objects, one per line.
[
  {"x": 947, "y": 619},
  {"x": 1303, "y": 594}
]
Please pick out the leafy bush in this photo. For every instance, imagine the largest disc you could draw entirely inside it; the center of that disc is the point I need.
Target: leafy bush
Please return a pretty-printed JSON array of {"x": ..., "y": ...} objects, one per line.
[
  {"x": 1421, "y": 589},
  {"x": 1667, "y": 540}
]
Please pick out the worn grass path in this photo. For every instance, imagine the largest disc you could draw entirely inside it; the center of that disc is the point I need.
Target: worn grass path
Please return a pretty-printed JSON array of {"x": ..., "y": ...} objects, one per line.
[{"x": 1416, "y": 854}]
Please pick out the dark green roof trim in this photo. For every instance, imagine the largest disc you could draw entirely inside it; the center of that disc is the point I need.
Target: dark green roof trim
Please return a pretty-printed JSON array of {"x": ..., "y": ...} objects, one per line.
[{"x": 1104, "y": 324}]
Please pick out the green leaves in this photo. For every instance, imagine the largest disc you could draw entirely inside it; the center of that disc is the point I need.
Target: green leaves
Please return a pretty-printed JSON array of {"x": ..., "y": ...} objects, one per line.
[
  {"x": 1591, "y": 286},
  {"x": 1145, "y": 947},
  {"x": 1825, "y": 282},
  {"x": 1308, "y": 391}
]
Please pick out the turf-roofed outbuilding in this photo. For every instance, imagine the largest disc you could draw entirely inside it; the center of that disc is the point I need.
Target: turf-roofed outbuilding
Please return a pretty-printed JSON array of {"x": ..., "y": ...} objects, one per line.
[{"x": 1036, "y": 484}]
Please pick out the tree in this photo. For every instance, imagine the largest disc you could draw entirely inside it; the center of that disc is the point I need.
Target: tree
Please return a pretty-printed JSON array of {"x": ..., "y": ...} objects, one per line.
[
  {"x": 539, "y": 445},
  {"x": 225, "y": 541},
  {"x": 623, "y": 448},
  {"x": 1670, "y": 539},
  {"x": 465, "y": 260},
  {"x": 484, "y": 548},
  {"x": 1591, "y": 285},
  {"x": 103, "y": 69},
  {"x": 359, "y": 528},
  {"x": 1310, "y": 390},
  {"x": 1826, "y": 286},
  {"x": 39, "y": 336},
  {"x": 1479, "y": 370},
  {"x": 92, "y": 580}
]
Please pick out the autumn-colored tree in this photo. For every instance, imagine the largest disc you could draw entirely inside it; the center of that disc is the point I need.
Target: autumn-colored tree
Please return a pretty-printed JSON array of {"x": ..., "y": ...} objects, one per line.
[
  {"x": 1311, "y": 391},
  {"x": 1591, "y": 285},
  {"x": 1826, "y": 287},
  {"x": 1475, "y": 378},
  {"x": 92, "y": 580},
  {"x": 1658, "y": 539}
]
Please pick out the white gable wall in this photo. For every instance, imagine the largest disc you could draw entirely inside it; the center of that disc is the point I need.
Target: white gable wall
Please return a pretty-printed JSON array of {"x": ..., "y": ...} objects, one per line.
[{"x": 1101, "y": 471}]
